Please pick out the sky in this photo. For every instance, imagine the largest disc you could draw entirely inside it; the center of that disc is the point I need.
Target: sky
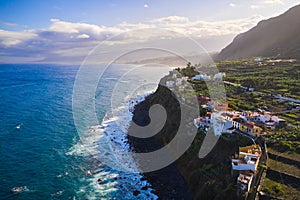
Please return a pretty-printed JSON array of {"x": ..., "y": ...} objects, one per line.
[{"x": 66, "y": 31}]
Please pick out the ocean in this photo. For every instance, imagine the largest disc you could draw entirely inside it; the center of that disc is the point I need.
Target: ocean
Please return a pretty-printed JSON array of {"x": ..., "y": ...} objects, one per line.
[{"x": 40, "y": 148}]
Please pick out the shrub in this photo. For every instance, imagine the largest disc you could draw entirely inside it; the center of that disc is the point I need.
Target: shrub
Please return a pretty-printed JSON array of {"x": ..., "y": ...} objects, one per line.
[{"x": 277, "y": 188}]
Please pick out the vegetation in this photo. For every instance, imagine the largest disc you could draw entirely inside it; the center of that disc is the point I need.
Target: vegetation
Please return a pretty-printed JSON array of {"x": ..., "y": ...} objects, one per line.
[
  {"x": 287, "y": 154},
  {"x": 280, "y": 79},
  {"x": 273, "y": 188},
  {"x": 283, "y": 167},
  {"x": 212, "y": 178},
  {"x": 188, "y": 71},
  {"x": 268, "y": 79},
  {"x": 285, "y": 140}
]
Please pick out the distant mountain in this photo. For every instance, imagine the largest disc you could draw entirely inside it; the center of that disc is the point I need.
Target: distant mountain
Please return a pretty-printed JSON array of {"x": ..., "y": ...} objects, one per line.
[{"x": 278, "y": 36}]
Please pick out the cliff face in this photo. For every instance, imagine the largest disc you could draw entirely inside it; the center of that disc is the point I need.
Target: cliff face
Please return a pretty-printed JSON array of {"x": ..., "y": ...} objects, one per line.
[
  {"x": 168, "y": 183},
  {"x": 189, "y": 176},
  {"x": 278, "y": 36}
]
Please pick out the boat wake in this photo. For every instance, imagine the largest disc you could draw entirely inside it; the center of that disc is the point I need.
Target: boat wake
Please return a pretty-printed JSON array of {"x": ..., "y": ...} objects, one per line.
[
  {"x": 18, "y": 126},
  {"x": 21, "y": 189}
]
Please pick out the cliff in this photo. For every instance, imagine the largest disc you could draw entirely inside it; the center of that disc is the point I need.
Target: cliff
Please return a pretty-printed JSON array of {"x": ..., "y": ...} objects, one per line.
[{"x": 189, "y": 177}]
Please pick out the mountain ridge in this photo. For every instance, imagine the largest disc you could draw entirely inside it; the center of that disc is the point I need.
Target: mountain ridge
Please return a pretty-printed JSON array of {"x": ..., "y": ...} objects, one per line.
[{"x": 277, "y": 36}]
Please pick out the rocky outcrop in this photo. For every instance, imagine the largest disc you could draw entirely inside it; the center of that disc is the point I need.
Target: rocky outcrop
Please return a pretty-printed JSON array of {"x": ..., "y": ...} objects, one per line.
[{"x": 189, "y": 177}]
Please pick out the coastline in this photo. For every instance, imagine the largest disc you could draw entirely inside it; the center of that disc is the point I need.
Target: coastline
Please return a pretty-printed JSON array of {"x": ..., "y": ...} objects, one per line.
[
  {"x": 184, "y": 178},
  {"x": 167, "y": 183}
]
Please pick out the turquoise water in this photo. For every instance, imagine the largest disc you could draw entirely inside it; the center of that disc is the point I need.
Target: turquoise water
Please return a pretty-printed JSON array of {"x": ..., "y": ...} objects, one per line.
[
  {"x": 39, "y": 144},
  {"x": 36, "y": 128}
]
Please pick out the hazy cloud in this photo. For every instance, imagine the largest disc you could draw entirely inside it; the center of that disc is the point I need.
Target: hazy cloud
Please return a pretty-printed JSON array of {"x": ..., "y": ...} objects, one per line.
[
  {"x": 171, "y": 19},
  {"x": 11, "y": 38},
  {"x": 273, "y": 2},
  {"x": 266, "y": 3},
  {"x": 63, "y": 41},
  {"x": 232, "y": 5},
  {"x": 255, "y": 6},
  {"x": 10, "y": 24}
]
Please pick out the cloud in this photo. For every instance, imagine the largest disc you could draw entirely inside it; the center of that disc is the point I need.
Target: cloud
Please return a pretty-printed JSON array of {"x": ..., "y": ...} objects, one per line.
[
  {"x": 10, "y": 24},
  {"x": 255, "y": 6},
  {"x": 146, "y": 6},
  {"x": 83, "y": 36},
  {"x": 12, "y": 38},
  {"x": 69, "y": 41},
  {"x": 266, "y": 3},
  {"x": 73, "y": 28},
  {"x": 171, "y": 19},
  {"x": 232, "y": 5},
  {"x": 273, "y": 2}
]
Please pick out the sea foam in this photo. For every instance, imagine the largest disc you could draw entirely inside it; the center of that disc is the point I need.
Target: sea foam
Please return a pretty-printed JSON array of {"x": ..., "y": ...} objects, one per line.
[{"x": 114, "y": 183}]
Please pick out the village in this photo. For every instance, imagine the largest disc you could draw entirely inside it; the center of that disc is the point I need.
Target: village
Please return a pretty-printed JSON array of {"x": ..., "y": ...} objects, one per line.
[
  {"x": 247, "y": 123},
  {"x": 251, "y": 124}
]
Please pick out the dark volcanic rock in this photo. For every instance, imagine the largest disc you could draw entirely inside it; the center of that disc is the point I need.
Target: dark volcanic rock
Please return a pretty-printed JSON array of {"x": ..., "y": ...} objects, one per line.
[
  {"x": 145, "y": 188},
  {"x": 167, "y": 182},
  {"x": 136, "y": 192}
]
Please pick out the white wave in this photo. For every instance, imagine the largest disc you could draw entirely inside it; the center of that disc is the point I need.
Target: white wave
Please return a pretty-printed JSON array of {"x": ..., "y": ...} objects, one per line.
[
  {"x": 57, "y": 194},
  {"x": 96, "y": 145}
]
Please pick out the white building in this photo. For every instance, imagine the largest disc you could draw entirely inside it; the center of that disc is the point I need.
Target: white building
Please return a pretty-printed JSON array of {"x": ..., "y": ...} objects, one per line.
[
  {"x": 181, "y": 81},
  {"x": 174, "y": 75},
  {"x": 219, "y": 75},
  {"x": 248, "y": 158},
  {"x": 202, "y": 122},
  {"x": 270, "y": 120},
  {"x": 264, "y": 118},
  {"x": 251, "y": 89},
  {"x": 170, "y": 84},
  {"x": 201, "y": 77},
  {"x": 244, "y": 181},
  {"x": 276, "y": 119},
  {"x": 249, "y": 162},
  {"x": 249, "y": 116},
  {"x": 228, "y": 128},
  {"x": 258, "y": 59},
  {"x": 181, "y": 88}
]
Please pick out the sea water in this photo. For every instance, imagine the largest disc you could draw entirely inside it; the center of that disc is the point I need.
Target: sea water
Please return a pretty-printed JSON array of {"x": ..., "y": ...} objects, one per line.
[{"x": 40, "y": 148}]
